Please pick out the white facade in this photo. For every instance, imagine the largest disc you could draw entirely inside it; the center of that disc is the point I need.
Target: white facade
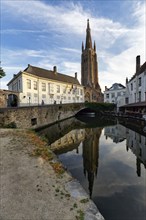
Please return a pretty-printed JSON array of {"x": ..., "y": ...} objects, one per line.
[
  {"x": 36, "y": 90},
  {"x": 117, "y": 133},
  {"x": 136, "y": 88},
  {"x": 137, "y": 143},
  {"x": 115, "y": 94}
]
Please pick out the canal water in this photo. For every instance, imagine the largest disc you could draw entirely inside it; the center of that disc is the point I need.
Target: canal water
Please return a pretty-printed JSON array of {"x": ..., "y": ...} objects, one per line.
[{"x": 108, "y": 159}]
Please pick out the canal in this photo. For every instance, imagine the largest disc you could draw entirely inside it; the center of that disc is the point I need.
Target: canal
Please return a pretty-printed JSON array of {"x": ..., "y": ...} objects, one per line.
[{"x": 108, "y": 159}]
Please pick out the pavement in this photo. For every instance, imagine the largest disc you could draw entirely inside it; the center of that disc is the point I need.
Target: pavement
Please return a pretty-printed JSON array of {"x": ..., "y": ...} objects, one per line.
[{"x": 35, "y": 186}]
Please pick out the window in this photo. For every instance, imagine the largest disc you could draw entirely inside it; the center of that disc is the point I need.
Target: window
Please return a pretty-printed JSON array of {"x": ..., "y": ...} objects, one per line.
[
  {"x": 139, "y": 81},
  {"x": 28, "y": 83},
  {"x": 50, "y": 88},
  {"x": 35, "y": 98},
  {"x": 43, "y": 96},
  {"x": 43, "y": 86},
  {"x": 113, "y": 95},
  {"x": 126, "y": 100},
  {"x": 139, "y": 96},
  {"x": 35, "y": 86},
  {"x": 107, "y": 96},
  {"x": 15, "y": 86},
  {"x": 131, "y": 86},
  {"x": 64, "y": 89},
  {"x": 77, "y": 91},
  {"x": 58, "y": 89},
  {"x": 81, "y": 92},
  {"x": 119, "y": 93}
]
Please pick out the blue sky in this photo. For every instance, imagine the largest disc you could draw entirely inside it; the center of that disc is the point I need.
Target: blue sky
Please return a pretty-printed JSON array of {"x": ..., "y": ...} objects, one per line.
[{"x": 47, "y": 33}]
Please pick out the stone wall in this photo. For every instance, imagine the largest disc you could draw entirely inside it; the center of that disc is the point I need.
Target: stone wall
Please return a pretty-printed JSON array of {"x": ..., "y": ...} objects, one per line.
[
  {"x": 4, "y": 97},
  {"x": 37, "y": 116}
]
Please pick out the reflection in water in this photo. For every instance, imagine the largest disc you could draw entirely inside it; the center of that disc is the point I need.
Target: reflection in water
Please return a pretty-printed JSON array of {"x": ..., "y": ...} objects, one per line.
[
  {"x": 91, "y": 154},
  {"x": 90, "y": 148},
  {"x": 134, "y": 141},
  {"x": 137, "y": 144},
  {"x": 121, "y": 150},
  {"x": 117, "y": 133}
]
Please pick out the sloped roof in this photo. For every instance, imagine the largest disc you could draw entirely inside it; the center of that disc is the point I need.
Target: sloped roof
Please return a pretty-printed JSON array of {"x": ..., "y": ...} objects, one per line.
[
  {"x": 48, "y": 74},
  {"x": 117, "y": 86},
  {"x": 142, "y": 69}
]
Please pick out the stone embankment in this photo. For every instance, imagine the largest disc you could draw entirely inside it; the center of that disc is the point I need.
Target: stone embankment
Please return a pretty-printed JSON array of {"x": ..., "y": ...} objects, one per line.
[{"x": 34, "y": 184}]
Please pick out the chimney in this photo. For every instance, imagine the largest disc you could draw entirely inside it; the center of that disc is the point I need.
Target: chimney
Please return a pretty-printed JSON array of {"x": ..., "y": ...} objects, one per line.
[
  {"x": 137, "y": 64},
  {"x": 126, "y": 80},
  {"x": 105, "y": 88},
  {"x": 55, "y": 69},
  {"x": 75, "y": 75}
]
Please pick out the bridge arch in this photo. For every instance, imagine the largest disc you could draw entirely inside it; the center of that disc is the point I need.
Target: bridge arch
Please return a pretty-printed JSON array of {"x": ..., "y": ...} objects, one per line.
[{"x": 12, "y": 100}]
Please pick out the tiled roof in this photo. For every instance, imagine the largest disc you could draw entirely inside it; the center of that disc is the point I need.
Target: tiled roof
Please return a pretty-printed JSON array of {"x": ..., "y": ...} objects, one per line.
[{"x": 48, "y": 74}]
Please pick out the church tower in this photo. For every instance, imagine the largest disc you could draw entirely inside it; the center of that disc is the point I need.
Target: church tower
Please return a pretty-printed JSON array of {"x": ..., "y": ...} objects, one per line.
[{"x": 89, "y": 69}]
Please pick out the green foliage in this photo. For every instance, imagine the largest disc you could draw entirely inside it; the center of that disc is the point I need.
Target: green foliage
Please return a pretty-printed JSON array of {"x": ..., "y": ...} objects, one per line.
[
  {"x": 84, "y": 200},
  {"x": 81, "y": 215},
  {"x": 100, "y": 106},
  {"x": 2, "y": 73}
]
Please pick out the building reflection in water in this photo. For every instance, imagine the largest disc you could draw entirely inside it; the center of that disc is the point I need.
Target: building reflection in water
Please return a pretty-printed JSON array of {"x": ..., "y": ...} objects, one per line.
[
  {"x": 90, "y": 144},
  {"x": 134, "y": 141},
  {"x": 117, "y": 133},
  {"x": 137, "y": 144},
  {"x": 69, "y": 137},
  {"x": 68, "y": 142},
  {"x": 91, "y": 154}
]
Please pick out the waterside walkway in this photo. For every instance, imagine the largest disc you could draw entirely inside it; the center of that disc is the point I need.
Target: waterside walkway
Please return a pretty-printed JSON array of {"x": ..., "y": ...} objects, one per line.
[{"x": 35, "y": 186}]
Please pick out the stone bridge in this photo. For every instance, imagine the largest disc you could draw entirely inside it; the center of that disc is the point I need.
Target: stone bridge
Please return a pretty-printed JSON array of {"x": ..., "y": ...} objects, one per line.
[{"x": 38, "y": 116}]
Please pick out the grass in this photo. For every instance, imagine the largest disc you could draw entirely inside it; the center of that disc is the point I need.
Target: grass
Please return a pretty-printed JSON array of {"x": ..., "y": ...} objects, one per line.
[
  {"x": 84, "y": 200},
  {"x": 58, "y": 167},
  {"x": 80, "y": 215}
]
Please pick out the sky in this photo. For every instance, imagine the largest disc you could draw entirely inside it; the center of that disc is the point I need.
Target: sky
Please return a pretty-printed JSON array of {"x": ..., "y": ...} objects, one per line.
[{"x": 47, "y": 33}]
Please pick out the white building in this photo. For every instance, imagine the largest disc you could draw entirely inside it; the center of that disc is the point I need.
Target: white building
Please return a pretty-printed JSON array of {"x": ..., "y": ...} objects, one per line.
[
  {"x": 115, "y": 94},
  {"x": 40, "y": 86},
  {"x": 117, "y": 133},
  {"x": 137, "y": 143},
  {"x": 136, "y": 86}
]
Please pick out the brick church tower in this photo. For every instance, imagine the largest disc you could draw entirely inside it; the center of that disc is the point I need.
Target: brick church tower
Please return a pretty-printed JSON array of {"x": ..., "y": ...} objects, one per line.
[{"x": 89, "y": 70}]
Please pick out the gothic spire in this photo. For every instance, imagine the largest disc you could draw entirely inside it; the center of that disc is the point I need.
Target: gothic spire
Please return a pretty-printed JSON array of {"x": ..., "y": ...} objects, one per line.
[
  {"x": 88, "y": 36},
  {"x": 82, "y": 46}
]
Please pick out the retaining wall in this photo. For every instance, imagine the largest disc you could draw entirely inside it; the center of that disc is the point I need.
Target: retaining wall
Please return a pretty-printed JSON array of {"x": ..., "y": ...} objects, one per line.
[{"x": 37, "y": 116}]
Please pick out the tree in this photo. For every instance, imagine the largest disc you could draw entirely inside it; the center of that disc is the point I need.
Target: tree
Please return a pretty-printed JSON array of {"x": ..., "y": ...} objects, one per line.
[{"x": 2, "y": 73}]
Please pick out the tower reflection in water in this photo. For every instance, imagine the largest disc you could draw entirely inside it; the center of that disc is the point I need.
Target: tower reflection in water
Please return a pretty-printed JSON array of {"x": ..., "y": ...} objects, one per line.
[
  {"x": 91, "y": 154},
  {"x": 89, "y": 137},
  {"x": 72, "y": 135}
]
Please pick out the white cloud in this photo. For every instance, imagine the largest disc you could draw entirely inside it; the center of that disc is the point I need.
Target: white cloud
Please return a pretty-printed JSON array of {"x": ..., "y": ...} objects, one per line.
[{"x": 69, "y": 22}]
